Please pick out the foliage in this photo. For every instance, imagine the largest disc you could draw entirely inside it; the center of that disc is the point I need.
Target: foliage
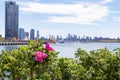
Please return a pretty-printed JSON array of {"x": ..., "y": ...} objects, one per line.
[
  {"x": 100, "y": 64},
  {"x": 20, "y": 64}
]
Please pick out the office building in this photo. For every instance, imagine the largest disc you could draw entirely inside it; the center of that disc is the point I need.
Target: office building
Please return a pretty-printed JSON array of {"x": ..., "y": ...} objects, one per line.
[
  {"x": 11, "y": 20},
  {"x": 32, "y": 34},
  {"x": 26, "y": 36},
  {"x": 38, "y": 34},
  {"x": 21, "y": 33}
]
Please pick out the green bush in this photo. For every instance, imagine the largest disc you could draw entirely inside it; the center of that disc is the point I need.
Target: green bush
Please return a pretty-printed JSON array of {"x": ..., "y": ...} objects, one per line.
[
  {"x": 100, "y": 64},
  {"x": 21, "y": 64}
]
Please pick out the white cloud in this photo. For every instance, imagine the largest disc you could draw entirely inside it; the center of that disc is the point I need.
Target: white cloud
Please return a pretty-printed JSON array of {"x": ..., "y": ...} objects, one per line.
[
  {"x": 81, "y": 13},
  {"x": 36, "y": 0},
  {"x": 73, "y": 20},
  {"x": 106, "y": 1},
  {"x": 116, "y": 19},
  {"x": 115, "y": 12}
]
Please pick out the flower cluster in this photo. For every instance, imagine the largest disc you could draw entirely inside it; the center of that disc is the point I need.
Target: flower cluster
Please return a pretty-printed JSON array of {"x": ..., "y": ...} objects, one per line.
[
  {"x": 39, "y": 56},
  {"x": 47, "y": 46}
]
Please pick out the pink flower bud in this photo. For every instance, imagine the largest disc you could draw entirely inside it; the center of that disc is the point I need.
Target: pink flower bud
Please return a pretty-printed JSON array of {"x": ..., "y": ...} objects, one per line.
[{"x": 47, "y": 46}]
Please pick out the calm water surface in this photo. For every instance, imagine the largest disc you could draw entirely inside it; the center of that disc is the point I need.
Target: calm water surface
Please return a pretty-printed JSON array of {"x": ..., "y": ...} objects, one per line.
[{"x": 68, "y": 49}]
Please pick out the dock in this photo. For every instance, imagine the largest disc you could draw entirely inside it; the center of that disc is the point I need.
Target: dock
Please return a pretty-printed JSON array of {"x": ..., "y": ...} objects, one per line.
[{"x": 13, "y": 43}]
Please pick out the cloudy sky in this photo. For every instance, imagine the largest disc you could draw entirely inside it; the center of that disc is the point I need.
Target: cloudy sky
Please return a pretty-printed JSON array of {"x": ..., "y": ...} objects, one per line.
[{"x": 60, "y": 17}]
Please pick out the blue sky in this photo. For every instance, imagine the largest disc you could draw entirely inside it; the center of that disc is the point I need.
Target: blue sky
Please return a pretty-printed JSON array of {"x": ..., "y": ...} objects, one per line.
[{"x": 60, "y": 17}]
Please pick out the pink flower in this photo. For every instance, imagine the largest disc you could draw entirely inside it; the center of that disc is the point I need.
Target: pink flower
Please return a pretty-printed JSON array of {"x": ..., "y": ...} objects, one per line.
[
  {"x": 47, "y": 46},
  {"x": 39, "y": 56}
]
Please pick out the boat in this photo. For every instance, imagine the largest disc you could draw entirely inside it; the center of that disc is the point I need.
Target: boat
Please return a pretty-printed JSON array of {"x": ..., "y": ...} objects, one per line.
[{"x": 61, "y": 41}]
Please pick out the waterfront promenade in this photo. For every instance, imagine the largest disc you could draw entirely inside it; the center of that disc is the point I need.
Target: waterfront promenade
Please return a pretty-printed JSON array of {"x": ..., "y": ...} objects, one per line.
[{"x": 13, "y": 43}]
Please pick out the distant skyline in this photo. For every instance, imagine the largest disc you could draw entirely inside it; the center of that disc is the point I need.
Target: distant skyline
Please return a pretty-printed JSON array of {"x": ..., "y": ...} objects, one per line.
[{"x": 60, "y": 17}]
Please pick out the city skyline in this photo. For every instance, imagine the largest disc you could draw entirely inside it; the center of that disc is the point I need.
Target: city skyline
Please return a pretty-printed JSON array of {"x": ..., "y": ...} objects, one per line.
[{"x": 80, "y": 17}]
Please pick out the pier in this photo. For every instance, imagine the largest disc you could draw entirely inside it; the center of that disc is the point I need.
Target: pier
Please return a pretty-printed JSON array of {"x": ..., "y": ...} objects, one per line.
[{"x": 13, "y": 43}]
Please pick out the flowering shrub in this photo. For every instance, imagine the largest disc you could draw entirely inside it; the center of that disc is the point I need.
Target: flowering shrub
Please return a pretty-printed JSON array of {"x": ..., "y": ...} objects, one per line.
[
  {"x": 36, "y": 62},
  {"x": 28, "y": 62}
]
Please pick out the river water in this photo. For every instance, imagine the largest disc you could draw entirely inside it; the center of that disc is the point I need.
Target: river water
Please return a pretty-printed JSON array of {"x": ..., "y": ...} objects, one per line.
[{"x": 68, "y": 49}]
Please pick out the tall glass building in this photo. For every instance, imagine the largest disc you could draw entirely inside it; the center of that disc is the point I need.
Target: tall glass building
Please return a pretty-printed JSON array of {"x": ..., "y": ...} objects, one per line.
[
  {"x": 21, "y": 33},
  {"x": 11, "y": 19},
  {"x": 26, "y": 35},
  {"x": 38, "y": 34},
  {"x": 32, "y": 34}
]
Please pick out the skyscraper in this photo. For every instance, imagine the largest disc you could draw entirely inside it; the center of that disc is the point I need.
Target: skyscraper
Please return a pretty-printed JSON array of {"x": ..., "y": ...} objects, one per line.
[
  {"x": 32, "y": 34},
  {"x": 21, "y": 33},
  {"x": 38, "y": 34},
  {"x": 26, "y": 35},
  {"x": 11, "y": 19}
]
